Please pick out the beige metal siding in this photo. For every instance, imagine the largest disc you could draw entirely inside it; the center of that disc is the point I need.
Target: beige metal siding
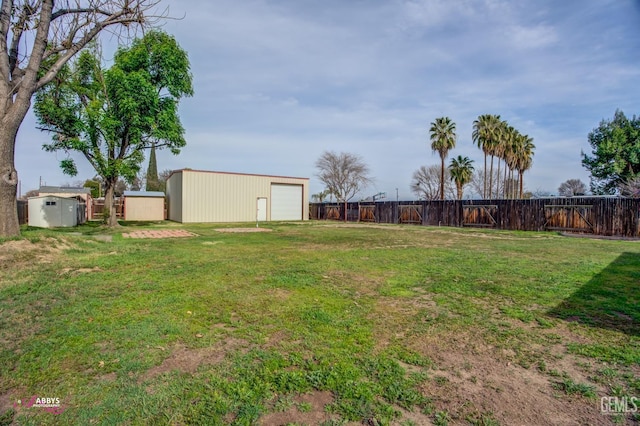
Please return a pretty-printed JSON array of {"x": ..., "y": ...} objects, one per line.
[
  {"x": 143, "y": 208},
  {"x": 174, "y": 197},
  {"x": 228, "y": 197}
]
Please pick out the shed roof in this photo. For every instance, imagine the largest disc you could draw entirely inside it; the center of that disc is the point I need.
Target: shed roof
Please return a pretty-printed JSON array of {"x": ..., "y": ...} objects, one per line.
[
  {"x": 234, "y": 173},
  {"x": 63, "y": 190},
  {"x": 144, "y": 194},
  {"x": 59, "y": 197}
]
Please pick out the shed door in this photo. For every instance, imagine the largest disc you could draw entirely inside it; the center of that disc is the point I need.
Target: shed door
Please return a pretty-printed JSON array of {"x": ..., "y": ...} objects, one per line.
[{"x": 286, "y": 202}]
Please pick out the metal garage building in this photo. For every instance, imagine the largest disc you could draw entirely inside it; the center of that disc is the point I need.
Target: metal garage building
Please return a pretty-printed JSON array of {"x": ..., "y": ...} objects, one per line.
[{"x": 204, "y": 196}]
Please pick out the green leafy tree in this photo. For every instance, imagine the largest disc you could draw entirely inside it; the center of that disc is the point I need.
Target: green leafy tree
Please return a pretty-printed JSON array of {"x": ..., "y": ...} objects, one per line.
[
  {"x": 94, "y": 186},
  {"x": 461, "y": 169},
  {"x": 443, "y": 138},
  {"x": 111, "y": 116},
  {"x": 38, "y": 39},
  {"x": 524, "y": 160},
  {"x": 153, "y": 183},
  {"x": 615, "y": 155},
  {"x": 320, "y": 196}
]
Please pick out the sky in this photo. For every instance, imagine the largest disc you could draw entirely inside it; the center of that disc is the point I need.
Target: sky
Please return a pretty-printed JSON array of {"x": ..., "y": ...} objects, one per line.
[{"x": 278, "y": 82}]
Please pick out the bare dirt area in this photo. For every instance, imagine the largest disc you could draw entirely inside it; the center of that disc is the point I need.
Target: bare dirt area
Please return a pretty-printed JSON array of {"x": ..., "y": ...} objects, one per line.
[
  {"x": 481, "y": 386},
  {"x": 243, "y": 230},
  {"x": 306, "y": 409},
  {"x": 153, "y": 233},
  {"x": 16, "y": 253},
  {"x": 187, "y": 360},
  {"x": 475, "y": 381}
]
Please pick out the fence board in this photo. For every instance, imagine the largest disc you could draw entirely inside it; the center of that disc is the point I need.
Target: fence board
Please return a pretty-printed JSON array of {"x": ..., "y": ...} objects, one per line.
[{"x": 23, "y": 212}]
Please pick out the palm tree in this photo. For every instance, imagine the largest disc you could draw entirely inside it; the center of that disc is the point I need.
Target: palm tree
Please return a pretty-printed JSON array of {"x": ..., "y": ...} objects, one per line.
[
  {"x": 505, "y": 135},
  {"x": 461, "y": 172},
  {"x": 513, "y": 150},
  {"x": 443, "y": 138},
  {"x": 525, "y": 157},
  {"x": 486, "y": 131}
]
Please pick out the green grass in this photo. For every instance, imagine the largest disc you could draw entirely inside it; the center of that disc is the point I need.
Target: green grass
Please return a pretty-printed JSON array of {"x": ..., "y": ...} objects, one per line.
[{"x": 224, "y": 328}]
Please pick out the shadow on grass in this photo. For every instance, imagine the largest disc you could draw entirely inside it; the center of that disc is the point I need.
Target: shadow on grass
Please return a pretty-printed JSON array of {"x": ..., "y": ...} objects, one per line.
[{"x": 611, "y": 299}]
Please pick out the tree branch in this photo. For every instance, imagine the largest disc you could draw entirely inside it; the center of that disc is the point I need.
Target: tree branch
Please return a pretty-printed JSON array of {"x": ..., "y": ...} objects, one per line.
[
  {"x": 78, "y": 11},
  {"x": 128, "y": 14},
  {"x": 5, "y": 22},
  {"x": 17, "y": 30}
]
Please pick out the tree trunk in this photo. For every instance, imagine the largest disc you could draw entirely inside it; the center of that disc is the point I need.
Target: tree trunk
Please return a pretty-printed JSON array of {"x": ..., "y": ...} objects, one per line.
[
  {"x": 442, "y": 178},
  {"x": 110, "y": 213},
  {"x": 521, "y": 182},
  {"x": 498, "y": 180},
  {"x": 9, "y": 226},
  {"x": 10, "y": 121},
  {"x": 484, "y": 194},
  {"x": 345, "y": 210},
  {"x": 491, "y": 180}
]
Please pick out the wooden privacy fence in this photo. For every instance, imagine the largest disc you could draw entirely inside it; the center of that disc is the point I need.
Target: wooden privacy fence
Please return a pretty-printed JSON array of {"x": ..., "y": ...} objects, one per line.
[
  {"x": 98, "y": 208},
  {"x": 23, "y": 212},
  {"x": 607, "y": 216}
]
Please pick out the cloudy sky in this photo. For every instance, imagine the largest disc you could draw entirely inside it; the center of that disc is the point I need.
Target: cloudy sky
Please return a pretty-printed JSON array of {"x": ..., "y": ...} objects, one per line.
[{"x": 277, "y": 82}]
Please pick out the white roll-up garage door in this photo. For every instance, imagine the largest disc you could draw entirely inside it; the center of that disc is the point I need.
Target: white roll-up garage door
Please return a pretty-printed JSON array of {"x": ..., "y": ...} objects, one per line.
[{"x": 286, "y": 202}]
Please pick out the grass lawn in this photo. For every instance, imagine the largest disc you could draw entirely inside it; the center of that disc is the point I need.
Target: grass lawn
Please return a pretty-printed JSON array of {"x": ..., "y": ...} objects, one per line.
[{"x": 318, "y": 323}]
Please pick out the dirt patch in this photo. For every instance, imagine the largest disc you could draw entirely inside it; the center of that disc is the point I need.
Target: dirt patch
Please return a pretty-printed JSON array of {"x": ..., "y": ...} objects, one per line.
[
  {"x": 362, "y": 225},
  {"x": 156, "y": 233},
  {"x": 243, "y": 230},
  {"x": 6, "y": 401},
  {"x": 307, "y": 409},
  {"x": 480, "y": 386},
  {"x": 475, "y": 379},
  {"x": 79, "y": 270},
  {"x": 187, "y": 360},
  {"x": 598, "y": 237},
  {"x": 472, "y": 379},
  {"x": 17, "y": 252}
]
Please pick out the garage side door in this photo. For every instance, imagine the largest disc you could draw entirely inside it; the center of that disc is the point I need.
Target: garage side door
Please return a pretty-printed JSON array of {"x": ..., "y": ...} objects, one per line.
[{"x": 286, "y": 202}]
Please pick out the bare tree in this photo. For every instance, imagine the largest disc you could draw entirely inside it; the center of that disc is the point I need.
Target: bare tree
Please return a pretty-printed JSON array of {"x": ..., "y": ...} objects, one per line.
[
  {"x": 631, "y": 188},
  {"x": 37, "y": 38},
  {"x": 479, "y": 184},
  {"x": 571, "y": 188},
  {"x": 425, "y": 183},
  {"x": 343, "y": 174}
]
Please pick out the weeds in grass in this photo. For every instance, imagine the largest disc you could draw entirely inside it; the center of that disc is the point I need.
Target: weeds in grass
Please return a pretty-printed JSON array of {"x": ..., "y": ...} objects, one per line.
[
  {"x": 441, "y": 418},
  {"x": 572, "y": 388}
]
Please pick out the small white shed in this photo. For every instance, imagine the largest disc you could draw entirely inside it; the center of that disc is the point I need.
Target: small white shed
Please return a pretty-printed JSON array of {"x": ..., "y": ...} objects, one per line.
[
  {"x": 51, "y": 211},
  {"x": 143, "y": 205}
]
